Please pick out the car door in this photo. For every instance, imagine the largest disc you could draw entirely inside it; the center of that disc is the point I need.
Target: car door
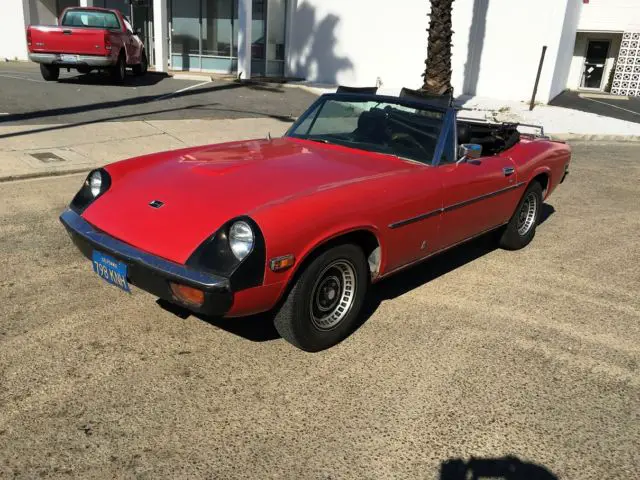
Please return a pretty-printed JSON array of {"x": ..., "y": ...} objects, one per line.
[{"x": 478, "y": 194}]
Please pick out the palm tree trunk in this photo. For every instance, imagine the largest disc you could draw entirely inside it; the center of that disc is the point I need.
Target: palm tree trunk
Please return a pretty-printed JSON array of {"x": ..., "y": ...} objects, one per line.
[{"x": 437, "y": 75}]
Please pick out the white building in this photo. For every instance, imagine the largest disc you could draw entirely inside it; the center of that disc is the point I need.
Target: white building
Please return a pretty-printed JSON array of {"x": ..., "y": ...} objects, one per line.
[{"x": 497, "y": 44}]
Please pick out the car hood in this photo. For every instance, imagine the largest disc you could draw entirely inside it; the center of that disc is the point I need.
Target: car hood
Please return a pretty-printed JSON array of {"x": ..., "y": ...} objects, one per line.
[{"x": 203, "y": 188}]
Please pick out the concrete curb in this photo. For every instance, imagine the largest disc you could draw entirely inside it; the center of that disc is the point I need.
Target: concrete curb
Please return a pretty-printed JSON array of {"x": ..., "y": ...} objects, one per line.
[
  {"x": 44, "y": 174},
  {"x": 191, "y": 76},
  {"x": 578, "y": 137}
]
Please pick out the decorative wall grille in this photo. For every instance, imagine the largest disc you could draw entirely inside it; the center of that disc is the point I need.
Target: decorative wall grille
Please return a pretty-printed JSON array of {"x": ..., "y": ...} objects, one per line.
[{"x": 626, "y": 80}]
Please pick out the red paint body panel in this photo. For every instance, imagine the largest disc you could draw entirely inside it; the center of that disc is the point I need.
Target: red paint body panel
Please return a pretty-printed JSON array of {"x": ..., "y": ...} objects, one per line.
[
  {"x": 85, "y": 41},
  {"x": 304, "y": 193}
]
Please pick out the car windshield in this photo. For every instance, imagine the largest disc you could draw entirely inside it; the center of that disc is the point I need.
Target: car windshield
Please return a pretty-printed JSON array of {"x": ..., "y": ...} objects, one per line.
[
  {"x": 376, "y": 124},
  {"x": 90, "y": 19}
]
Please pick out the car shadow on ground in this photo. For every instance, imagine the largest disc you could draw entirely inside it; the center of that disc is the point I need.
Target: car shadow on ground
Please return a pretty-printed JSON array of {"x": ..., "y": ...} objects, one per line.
[
  {"x": 103, "y": 78},
  {"x": 260, "y": 328},
  {"x": 505, "y": 468}
]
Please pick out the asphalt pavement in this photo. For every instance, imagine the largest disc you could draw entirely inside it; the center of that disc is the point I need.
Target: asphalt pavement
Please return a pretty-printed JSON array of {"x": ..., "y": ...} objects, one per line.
[
  {"x": 620, "y": 107},
  {"x": 508, "y": 357},
  {"x": 26, "y": 99}
]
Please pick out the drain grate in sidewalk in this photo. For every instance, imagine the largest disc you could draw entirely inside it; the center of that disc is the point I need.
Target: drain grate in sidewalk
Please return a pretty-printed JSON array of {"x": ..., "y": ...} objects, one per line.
[{"x": 47, "y": 157}]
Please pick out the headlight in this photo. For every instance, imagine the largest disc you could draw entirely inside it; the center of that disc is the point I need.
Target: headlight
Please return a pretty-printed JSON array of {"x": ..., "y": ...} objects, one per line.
[
  {"x": 241, "y": 239},
  {"x": 95, "y": 183}
]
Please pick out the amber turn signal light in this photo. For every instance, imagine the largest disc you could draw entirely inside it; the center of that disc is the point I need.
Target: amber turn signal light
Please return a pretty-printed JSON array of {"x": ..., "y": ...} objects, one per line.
[
  {"x": 188, "y": 295},
  {"x": 282, "y": 263}
]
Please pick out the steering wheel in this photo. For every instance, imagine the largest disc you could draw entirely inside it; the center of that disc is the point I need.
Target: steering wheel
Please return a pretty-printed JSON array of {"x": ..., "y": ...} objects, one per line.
[{"x": 409, "y": 141}]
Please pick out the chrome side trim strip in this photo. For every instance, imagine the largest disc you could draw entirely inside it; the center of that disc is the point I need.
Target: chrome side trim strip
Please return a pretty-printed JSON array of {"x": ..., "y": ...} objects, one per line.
[
  {"x": 483, "y": 197},
  {"x": 424, "y": 216}
]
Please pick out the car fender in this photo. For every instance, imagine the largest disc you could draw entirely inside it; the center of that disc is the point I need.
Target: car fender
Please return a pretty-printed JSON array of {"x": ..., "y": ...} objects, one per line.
[{"x": 306, "y": 248}]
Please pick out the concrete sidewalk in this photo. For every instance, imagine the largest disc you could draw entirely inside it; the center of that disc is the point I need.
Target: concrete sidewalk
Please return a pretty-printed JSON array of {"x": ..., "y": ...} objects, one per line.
[{"x": 30, "y": 151}]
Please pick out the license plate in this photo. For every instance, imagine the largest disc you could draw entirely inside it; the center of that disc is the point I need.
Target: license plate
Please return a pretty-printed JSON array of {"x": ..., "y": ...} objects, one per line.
[
  {"x": 69, "y": 58},
  {"x": 110, "y": 270}
]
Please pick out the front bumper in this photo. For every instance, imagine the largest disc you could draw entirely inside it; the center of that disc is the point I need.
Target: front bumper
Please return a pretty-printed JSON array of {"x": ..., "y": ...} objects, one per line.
[
  {"x": 150, "y": 272},
  {"x": 96, "y": 61}
]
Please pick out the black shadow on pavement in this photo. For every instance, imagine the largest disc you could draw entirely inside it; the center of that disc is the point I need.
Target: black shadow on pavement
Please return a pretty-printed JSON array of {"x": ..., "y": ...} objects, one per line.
[
  {"x": 144, "y": 99},
  {"x": 505, "y": 468},
  {"x": 211, "y": 106},
  {"x": 611, "y": 106},
  {"x": 100, "y": 78}
]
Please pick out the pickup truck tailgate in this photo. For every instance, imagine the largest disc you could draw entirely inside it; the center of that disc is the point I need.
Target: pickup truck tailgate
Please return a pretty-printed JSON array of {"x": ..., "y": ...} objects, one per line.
[{"x": 70, "y": 40}]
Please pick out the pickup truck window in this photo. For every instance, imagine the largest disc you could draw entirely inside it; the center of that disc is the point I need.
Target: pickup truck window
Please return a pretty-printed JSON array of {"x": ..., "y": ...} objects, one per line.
[{"x": 90, "y": 19}]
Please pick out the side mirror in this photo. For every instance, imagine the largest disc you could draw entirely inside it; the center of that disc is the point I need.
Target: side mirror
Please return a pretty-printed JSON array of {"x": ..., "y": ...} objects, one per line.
[{"x": 469, "y": 151}]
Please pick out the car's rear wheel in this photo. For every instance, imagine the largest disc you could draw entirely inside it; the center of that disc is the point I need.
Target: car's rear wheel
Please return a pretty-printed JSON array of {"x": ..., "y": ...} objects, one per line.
[
  {"x": 142, "y": 67},
  {"x": 323, "y": 306},
  {"x": 522, "y": 227},
  {"x": 119, "y": 71},
  {"x": 50, "y": 73}
]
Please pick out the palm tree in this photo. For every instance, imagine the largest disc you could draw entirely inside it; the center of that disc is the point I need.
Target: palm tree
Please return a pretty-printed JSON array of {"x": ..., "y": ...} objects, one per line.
[{"x": 437, "y": 75}]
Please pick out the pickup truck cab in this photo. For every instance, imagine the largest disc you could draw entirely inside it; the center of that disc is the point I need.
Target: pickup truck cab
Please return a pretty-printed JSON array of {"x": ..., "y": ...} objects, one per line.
[{"x": 87, "y": 39}]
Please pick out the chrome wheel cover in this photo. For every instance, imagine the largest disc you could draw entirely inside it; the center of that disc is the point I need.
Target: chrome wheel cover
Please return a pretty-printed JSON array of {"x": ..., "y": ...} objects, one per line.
[
  {"x": 333, "y": 294},
  {"x": 527, "y": 214}
]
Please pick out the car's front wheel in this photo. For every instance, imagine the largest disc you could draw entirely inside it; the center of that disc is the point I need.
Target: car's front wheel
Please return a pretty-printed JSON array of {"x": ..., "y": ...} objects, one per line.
[
  {"x": 50, "y": 73},
  {"x": 522, "y": 227},
  {"x": 323, "y": 306}
]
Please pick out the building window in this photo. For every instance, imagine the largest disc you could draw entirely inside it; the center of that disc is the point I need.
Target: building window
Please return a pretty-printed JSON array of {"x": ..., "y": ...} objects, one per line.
[
  {"x": 62, "y": 4},
  {"x": 204, "y": 35}
]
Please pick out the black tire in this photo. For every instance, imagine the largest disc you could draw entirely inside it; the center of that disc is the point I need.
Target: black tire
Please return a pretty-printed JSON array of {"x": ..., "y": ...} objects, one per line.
[
  {"x": 50, "y": 73},
  {"x": 119, "y": 71},
  {"x": 522, "y": 227},
  {"x": 298, "y": 319},
  {"x": 142, "y": 67}
]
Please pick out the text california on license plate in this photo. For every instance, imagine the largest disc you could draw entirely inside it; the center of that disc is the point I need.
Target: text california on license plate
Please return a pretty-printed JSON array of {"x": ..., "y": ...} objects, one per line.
[
  {"x": 111, "y": 270},
  {"x": 69, "y": 58}
]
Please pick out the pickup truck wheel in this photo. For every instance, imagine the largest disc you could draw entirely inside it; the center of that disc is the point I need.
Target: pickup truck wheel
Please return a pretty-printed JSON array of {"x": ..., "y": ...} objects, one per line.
[
  {"x": 141, "y": 68},
  {"x": 522, "y": 227},
  {"x": 119, "y": 71},
  {"x": 50, "y": 73},
  {"x": 323, "y": 306}
]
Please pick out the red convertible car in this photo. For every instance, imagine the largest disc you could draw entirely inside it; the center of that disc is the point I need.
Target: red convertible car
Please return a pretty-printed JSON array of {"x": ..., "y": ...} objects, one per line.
[{"x": 360, "y": 187}]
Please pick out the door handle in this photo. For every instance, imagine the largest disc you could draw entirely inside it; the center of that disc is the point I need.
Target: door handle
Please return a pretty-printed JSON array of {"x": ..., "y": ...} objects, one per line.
[{"x": 508, "y": 171}]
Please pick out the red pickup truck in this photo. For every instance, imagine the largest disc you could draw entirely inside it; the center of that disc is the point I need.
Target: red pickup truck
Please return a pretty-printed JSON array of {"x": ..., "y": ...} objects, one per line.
[{"x": 87, "y": 39}]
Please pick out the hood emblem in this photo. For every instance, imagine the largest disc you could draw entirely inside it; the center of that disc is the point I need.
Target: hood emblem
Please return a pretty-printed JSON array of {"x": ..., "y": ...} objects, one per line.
[{"x": 156, "y": 204}]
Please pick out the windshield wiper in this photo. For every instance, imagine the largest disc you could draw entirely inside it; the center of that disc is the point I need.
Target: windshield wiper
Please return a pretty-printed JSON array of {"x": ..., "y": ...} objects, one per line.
[{"x": 319, "y": 140}]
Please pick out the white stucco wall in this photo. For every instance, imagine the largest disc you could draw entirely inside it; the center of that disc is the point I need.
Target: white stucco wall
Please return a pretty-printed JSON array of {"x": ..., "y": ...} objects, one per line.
[
  {"x": 568, "y": 29},
  {"x": 610, "y": 15},
  {"x": 353, "y": 42},
  {"x": 359, "y": 41},
  {"x": 13, "y": 43}
]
